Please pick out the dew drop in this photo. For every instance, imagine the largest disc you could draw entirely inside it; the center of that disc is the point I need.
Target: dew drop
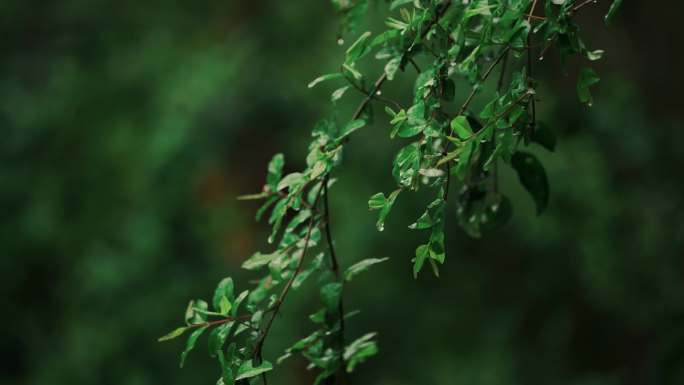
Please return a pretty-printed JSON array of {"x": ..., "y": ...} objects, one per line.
[
  {"x": 340, "y": 41},
  {"x": 378, "y": 92},
  {"x": 541, "y": 58}
]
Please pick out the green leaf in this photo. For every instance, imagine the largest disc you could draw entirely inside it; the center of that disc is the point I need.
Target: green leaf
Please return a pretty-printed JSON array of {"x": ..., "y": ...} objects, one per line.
[
  {"x": 392, "y": 67},
  {"x": 461, "y": 127},
  {"x": 325, "y": 77},
  {"x": 406, "y": 164},
  {"x": 358, "y": 49},
  {"x": 225, "y": 289},
  {"x": 247, "y": 370},
  {"x": 238, "y": 301},
  {"x": 330, "y": 295},
  {"x": 379, "y": 202},
  {"x": 260, "y": 212},
  {"x": 416, "y": 114},
  {"x": 275, "y": 171},
  {"x": 192, "y": 340},
  {"x": 175, "y": 333},
  {"x": 318, "y": 317},
  {"x": 359, "y": 350},
  {"x": 351, "y": 127},
  {"x": 196, "y": 312},
  {"x": 291, "y": 181},
  {"x": 533, "y": 177},
  {"x": 613, "y": 10},
  {"x": 225, "y": 305},
  {"x": 251, "y": 197},
  {"x": 258, "y": 260},
  {"x": 587, "y": 78},
  {"x": 218, "y": 337},
  {"x": 398, "y": 3},
  {"x": 407, "y": 130},
  {"x": 422, "y": 253},
  {"x": 361, "y": 266},
  {"x": 338, "y": 93},
  {"x": 226, "y": 371},
  {"x": 424, "y": 222}
]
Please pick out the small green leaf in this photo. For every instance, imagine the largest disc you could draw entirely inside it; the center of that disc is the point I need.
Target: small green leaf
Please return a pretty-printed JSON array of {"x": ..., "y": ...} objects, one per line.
[
  {"x": 318, "y": 317},
  {"x": 247, "y": 370},
  {"x": 325, "y": 77},
  {"x": 330, "y": 295},
  {"x": 258, "y": 260},
  {"x": 407, "y": 130},
  {"x": 361, "y": 266},
  {"x": 533, "y": 177},
  {"x": 291, "y": 181},
  {"x": 398, "y": 3},
  {"x": 225, "y": 305},
  {"x": 359, "y": 350},
  {"x": 461, "y": 127},
  {"x": 391, "y": 67},
  {"x": 225, "y": 289},
  {"x": 587, "y": 78},
  {"x": 351, "y": 127},
  {"x": 251, "y": 197},
  {"x": 422, "y": 253},
  {"x": 338, "y": 93},
  {"x": 238, "y": 301},
  {"x": 226, "y": 371},
  {"x": 379, "y": 202},
  {"x": 416, "y": 114},
  {"x": 192, "y": 340},
  {"x": 275, "y": 171},
  {"x": 218, "y": 337},
  {"x": 613, "y": 10},
  {"x": 406, "y": 164},
  {"x": 358, "y": 49},
  {"x": 175, "y": 333}
]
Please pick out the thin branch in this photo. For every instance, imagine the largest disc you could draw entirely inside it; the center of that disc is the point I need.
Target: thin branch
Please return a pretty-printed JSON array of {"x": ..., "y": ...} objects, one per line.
[
  {"x": 529, "y": 16},
  {"x": 413, "y": 63},
  {"x": 279, "y": 302},
  {"x": 489, "y": 70},
  {"x": 583, "y": 4},
  {"x": 335, "y": 267}
]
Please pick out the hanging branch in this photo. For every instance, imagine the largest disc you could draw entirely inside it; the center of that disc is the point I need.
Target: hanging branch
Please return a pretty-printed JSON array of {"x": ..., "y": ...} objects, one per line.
[{"x": 452, "y": 40}]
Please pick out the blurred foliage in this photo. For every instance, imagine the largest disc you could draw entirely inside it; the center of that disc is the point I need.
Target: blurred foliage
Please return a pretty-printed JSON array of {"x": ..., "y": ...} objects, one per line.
[{"x": 130, "y": 127}]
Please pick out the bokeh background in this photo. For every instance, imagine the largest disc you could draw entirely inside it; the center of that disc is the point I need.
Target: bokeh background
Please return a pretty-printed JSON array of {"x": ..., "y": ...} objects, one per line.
[{"x": 128, "y": 129}]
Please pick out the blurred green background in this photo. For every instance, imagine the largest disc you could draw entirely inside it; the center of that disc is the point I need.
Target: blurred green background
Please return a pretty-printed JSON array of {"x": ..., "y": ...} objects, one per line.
[{"x": 128, "y": 129}]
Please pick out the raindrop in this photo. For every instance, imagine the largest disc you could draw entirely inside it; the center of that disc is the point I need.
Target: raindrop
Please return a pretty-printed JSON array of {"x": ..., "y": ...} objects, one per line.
[
  {"x": 340, "y": 41},
  {"x": 378, "y": 92}
]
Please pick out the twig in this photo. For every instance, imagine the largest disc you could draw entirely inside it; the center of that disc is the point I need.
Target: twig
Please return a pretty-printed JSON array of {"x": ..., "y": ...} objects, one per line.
[{"x": 279, "y": 302}]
